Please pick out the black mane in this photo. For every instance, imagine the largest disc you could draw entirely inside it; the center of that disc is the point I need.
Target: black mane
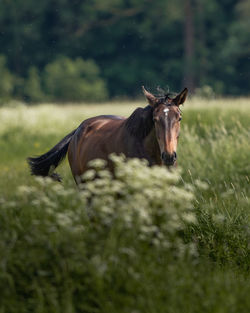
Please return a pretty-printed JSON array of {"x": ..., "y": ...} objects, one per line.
[{"x": 140, "y": 122}]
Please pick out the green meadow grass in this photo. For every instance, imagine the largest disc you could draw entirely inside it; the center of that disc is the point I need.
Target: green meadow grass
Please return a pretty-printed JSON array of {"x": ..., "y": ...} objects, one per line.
[{"x": 42, "y": 270}]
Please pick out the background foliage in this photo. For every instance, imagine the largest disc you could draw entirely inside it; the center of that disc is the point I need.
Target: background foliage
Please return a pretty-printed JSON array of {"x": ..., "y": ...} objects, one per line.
[{"x": 129, "y": 43}]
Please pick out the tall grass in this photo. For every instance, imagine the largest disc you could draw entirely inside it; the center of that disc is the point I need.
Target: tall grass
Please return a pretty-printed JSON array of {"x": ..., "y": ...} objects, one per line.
[{"x": 134, "y": 249}]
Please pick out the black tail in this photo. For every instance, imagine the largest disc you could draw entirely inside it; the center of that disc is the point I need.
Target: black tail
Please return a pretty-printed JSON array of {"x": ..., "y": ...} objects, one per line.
[{"x": 45, "y": 164}]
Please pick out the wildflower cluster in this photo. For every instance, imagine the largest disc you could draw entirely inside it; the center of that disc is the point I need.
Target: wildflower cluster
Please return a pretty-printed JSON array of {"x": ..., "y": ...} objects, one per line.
[
  {"x": 136, "y": 205},
  {"x": 135, "y": 215},
  {"x": 146, "y": 203}
]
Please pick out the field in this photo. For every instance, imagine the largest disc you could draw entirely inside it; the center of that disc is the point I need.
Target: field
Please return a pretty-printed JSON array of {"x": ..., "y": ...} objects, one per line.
[{"x": 50, "y": 262}]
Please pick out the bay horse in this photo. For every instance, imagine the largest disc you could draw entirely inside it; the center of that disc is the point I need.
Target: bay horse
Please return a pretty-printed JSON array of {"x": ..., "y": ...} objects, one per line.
[{"x": 149, "y": 133}]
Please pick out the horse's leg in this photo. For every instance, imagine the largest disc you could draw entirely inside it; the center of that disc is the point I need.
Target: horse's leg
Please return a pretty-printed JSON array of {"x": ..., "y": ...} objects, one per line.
[{"x": 73, "y": 160}]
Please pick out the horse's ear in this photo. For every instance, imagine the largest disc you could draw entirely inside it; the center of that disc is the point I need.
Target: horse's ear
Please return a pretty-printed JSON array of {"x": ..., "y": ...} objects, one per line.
[
  {"x": 151, "y": 98},
  {"x": 181, "y": 97}
]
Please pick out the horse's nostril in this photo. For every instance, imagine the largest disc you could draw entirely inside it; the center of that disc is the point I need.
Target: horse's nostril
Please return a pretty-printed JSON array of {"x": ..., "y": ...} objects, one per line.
[{"x": 169, "y": 159}]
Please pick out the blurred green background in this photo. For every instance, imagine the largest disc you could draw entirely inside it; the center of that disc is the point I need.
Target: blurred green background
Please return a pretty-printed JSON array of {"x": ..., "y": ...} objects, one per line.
[{"x": 73, "y": 50}]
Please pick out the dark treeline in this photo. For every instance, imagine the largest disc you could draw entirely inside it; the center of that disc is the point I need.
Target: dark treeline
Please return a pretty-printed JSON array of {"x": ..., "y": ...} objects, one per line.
[{"x": 94, "y": 49}]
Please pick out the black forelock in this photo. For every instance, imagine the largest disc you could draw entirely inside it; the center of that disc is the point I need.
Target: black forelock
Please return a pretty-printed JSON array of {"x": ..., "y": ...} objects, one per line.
[
  {"x": 164, "y": 97},
  {"x": 163, "y": 100}
]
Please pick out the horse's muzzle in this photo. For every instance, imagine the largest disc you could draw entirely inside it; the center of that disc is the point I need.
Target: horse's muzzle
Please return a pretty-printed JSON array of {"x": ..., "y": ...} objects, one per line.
[{"x": 169, "y": 159}]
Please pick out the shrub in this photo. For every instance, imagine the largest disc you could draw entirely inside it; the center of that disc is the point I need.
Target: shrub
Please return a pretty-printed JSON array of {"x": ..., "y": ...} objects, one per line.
[
  {"x": 205, "y": 91},
  {"x": 74, "y": 80},
  {"x": 32, "y": 86},
  {"x": 6, "y": 81},
  {"x": 142, "y": 202},
  {"x": 62, "y": 245}
]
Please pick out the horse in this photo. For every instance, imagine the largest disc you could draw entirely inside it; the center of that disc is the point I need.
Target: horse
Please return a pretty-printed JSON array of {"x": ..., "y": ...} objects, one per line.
[{"x": 149, "y": 133}]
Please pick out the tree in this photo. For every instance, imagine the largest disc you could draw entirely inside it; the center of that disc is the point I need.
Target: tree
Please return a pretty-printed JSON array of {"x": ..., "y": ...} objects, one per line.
[{"x": 189, "y": 51}]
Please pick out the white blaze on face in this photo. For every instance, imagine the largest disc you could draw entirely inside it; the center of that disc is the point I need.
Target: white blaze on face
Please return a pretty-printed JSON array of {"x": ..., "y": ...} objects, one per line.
[{"x": 166, "y": 111}]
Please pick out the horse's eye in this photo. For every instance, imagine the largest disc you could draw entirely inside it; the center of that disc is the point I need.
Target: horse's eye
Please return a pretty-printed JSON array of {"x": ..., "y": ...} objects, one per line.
[{"x": 180, "y": 118}]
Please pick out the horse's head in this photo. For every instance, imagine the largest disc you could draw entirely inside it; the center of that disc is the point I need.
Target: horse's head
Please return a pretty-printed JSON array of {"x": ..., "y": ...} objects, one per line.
[{"x": 167, "y": 117}]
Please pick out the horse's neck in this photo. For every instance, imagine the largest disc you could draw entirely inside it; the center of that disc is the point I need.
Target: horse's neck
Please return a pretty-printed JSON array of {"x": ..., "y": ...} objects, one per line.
[{"x": 152, "y": 148}]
